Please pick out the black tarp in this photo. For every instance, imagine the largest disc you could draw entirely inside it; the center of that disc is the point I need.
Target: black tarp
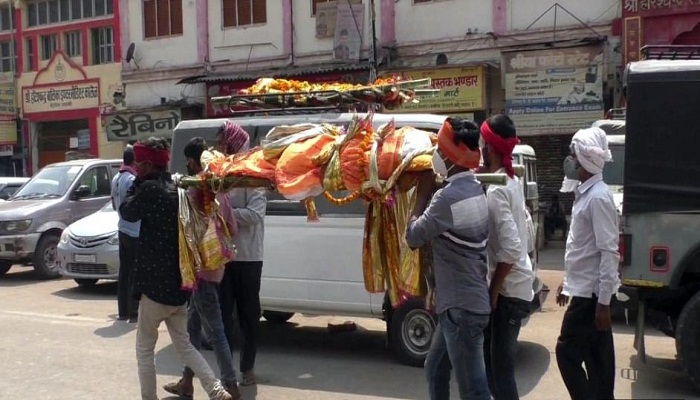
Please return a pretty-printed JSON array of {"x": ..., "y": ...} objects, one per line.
[{"x": 662, "y": 148}]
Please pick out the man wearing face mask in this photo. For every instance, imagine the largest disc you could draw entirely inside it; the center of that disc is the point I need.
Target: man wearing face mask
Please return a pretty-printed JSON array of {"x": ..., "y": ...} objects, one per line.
[
  {"x": 455, "y": 223},
  {"x": 591, "y": 272},
  {"x": 510, "y": 268}
]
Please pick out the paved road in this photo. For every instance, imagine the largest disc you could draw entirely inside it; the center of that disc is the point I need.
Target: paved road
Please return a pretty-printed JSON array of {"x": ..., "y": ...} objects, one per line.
[{"x": 61, "y": 342}]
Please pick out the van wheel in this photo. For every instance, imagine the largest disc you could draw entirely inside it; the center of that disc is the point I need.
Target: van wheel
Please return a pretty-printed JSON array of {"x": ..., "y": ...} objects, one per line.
[
  {"x": 86, "y": 282},
  {"x": 46, "y": 258},
  {"x": 5, "y": 267},
  {"x": 277, "y": 317},
  {"x": 412, "y": 329},
  {"x": 688, "y": 338}
]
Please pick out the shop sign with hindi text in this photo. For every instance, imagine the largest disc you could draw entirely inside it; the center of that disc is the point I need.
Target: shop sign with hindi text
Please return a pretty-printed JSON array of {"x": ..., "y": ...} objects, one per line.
[
  {"x": 141, "y": 125},
  {"x": 554, "y": 91},
  {"x": 460, "y": 90}
]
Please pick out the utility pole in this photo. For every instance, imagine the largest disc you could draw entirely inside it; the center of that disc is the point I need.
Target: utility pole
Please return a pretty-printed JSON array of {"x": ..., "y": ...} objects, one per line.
[{"x": 373, "y": 55}]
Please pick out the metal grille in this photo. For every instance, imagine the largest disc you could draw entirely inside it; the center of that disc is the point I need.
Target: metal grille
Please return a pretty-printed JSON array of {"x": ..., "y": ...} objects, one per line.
[
  {"x": 88, "y": 242},
  {"x": 88, "y": 269}
]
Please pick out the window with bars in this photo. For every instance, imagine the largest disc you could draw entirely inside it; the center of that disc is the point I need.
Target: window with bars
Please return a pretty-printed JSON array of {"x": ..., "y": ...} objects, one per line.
[
  {"x": 30, "y": 54},
  {"x": 48, "y": 46},
  {"x": 73, "y": 44},
  {"x": 102, "y": 45},
  {"x": 8, "y": 56},
  {"x": 162, "y": 18},
  {"x": 244, "y": 12},
  {"x": 45, "y": 12},
  {"x": 7, "y": 18}
]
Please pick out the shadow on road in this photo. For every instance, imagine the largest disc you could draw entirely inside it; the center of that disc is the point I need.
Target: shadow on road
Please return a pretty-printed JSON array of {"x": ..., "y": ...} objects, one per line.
[
  {"x": 100, "y": 291},
  {"x": 20, "y": 276},
  {"x": 117, "y": 329},
  {"x": 306, "y": 358},
  {"x": 532, "y": 363},
  {"x": 658, "y": 376}
]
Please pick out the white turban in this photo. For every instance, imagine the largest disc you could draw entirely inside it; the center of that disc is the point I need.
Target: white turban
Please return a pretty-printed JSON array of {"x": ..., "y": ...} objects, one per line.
[{"x": 591, "y": 148}]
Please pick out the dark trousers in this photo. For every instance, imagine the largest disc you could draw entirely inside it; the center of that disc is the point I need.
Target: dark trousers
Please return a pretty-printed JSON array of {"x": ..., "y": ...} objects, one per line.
[
  {"x": 240, "y": 290},
  {"x": 501, "y": 346},
  {"x": 128, "y": 305},
  {"x": 581, "y": 343}
]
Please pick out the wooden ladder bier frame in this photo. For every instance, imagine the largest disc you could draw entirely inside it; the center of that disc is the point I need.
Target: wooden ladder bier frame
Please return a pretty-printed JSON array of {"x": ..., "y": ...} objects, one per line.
[{"x": 323, "y": 100}]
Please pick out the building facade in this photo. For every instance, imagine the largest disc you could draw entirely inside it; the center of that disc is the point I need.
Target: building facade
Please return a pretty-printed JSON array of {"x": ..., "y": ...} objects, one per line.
[{"x": 67, "y": 71}]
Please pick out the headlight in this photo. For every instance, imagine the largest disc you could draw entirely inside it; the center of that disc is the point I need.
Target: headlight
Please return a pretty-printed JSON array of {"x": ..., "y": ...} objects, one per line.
[
  {"x": 17, "y": 226},
  {"x": 114, "y": 240},
  {"x": 64, "y": 236}
]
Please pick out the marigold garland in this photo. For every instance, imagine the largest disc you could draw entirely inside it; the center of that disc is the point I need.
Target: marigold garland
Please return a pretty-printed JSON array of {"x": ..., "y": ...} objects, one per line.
[{"x": 343, "y": 200}]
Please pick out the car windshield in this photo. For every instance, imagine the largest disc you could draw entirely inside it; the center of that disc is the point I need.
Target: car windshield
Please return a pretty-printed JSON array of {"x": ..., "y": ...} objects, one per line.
[
  {"x": 50, "y": 182},
  {"x": 614, "y": 172}
]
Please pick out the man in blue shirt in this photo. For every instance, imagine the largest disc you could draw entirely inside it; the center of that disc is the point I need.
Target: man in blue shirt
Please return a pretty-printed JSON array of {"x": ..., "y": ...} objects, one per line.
[{"x": 128, "y": 238}]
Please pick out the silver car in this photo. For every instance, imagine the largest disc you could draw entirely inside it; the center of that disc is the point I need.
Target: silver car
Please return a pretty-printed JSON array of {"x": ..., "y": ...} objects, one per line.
[{"x": 89, "y": 248}]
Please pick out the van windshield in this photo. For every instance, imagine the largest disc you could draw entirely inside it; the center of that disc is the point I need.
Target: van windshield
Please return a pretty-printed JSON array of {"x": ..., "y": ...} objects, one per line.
[
  {"x": 614, "y": 172},
  {"x": 50, "y": 182}
]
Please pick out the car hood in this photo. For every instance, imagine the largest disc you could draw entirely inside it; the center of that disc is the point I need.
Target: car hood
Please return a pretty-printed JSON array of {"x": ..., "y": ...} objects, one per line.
[
  {"x": 19, "y": 209},
  {"x": 96, "y": 224}
]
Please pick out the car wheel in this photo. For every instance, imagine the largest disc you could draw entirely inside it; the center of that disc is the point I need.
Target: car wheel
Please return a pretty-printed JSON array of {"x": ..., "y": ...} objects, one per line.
[
  {"x": 5, "y": 267},
  {"x": 687, "y": 338},
  {"x": 412, "y": 329},
  {"x": 46, "y": 257},
  {"x": 86, "y": 282},
  {"x": 277, "y": 317}
]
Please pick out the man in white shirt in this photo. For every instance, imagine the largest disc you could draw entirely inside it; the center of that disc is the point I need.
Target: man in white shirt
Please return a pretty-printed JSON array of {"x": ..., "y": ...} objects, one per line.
[
  {"x": 510, "y": 268},
  {"x": 591, "y": 272}
]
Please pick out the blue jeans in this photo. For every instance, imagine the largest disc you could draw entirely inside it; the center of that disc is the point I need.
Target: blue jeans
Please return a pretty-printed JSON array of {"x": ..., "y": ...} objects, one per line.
[
  {"x": 205, "y": 312},
  {"x": 458, "y": 343}
]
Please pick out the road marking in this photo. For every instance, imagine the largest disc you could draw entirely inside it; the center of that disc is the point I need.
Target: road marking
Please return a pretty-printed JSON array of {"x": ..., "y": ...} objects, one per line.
[{"x": 56, "y": 318}]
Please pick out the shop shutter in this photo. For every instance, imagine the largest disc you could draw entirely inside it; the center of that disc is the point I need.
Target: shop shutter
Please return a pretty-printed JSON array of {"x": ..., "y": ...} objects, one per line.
[
  {"x": 259, "y": 11},
  {"x": 176, "y": 17},
  {"x": 551, "y": 151},
  {"x": 230, "y": 15},
  {"x": 149, "y": 18}
]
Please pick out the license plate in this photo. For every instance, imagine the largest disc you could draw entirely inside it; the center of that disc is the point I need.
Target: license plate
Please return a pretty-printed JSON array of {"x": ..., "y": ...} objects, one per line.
[{"x": 85, "y": 258}]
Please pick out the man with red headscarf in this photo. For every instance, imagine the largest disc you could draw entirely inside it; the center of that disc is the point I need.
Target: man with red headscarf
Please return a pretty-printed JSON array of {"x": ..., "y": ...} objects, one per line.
[
  {"x": 510, "y": 268},
  {"x": 154, "y": 202},
  {"x": 455, "y": 223}
]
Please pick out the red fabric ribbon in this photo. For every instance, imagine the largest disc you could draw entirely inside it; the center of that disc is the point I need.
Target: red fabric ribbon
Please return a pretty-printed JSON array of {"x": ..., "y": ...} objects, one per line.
[
  {"x": 458, "y": 153},
  {"x": 502, "y": 146},
  {"x": 159, "y": 158}
]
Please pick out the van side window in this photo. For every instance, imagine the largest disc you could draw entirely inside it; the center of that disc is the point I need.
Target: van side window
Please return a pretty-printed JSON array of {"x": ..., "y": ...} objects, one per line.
[{"x": 97, "y": 179}]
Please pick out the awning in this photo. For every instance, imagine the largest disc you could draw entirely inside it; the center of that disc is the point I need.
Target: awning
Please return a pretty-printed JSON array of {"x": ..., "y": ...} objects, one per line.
[{"x": 274, "y": 73}]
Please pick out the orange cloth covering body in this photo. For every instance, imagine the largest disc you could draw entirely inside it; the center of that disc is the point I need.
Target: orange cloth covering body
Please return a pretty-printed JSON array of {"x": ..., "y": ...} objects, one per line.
[{"x": 304, "y": 161}]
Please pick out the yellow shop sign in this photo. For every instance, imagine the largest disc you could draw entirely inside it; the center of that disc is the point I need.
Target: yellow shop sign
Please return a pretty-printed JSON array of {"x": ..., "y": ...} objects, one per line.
[
  {"x": 61, "y": 97},
  {"x": 461, "y": 89}
]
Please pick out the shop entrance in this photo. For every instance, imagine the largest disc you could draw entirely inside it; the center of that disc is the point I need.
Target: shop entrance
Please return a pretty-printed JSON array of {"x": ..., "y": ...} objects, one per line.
[{"x": 54, "y": 140}]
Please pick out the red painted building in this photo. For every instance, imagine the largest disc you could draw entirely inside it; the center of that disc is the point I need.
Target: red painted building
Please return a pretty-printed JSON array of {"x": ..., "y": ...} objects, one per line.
[
  {"x": 659, "y": 22},
  {"x": 66, "y": 58}
]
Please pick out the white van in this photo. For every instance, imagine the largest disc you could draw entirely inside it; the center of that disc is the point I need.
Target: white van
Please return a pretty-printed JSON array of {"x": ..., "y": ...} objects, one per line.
[{"x": 316, "y": 268}]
